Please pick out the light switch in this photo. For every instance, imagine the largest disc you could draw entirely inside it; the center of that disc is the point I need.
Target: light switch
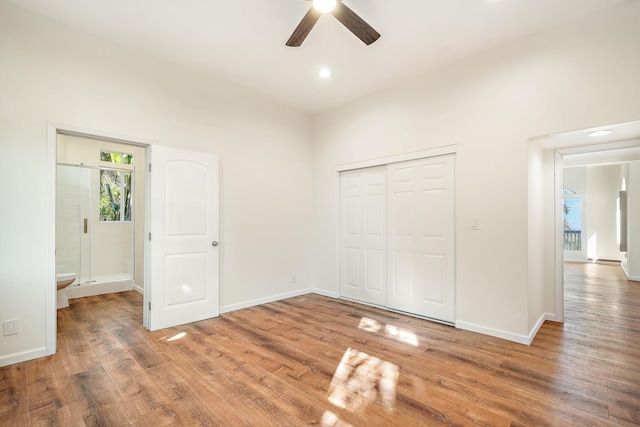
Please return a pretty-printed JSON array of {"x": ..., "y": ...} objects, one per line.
[{"x": 473, "y": 225}]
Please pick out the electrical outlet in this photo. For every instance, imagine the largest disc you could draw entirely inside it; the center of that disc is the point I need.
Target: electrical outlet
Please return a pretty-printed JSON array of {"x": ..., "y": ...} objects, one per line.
[
  {"x": 293, "y": 278},
  {"x": 10, "y": 327}
]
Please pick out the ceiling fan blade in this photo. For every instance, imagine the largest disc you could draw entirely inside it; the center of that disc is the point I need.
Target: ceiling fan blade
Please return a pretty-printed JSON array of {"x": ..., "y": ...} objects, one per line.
[
  {"x": 355, "y": 24},
  {"x": 303, "y": 28}
]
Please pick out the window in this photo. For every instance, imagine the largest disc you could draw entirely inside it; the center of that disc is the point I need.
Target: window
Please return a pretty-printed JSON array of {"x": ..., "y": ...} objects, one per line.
[
  {"x": 573, "y": 224},
  {"x": 113, "y": 157},
  {"x": 115, "y": 188}
]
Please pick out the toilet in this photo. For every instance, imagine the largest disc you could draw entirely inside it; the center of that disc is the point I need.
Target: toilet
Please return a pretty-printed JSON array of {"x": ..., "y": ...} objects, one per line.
[{"x": 62, "y": 281}]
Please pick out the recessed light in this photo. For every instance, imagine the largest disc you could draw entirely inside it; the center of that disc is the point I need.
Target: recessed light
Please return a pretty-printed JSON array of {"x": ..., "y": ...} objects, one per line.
[
  {"x": 600, "y": 133},
  {"x": 324, "y": 5},
  {"x": 325, "y": 73}
]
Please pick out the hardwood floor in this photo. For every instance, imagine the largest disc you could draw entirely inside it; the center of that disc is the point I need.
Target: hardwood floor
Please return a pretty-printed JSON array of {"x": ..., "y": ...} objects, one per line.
[{"x": 313, "y": 360}]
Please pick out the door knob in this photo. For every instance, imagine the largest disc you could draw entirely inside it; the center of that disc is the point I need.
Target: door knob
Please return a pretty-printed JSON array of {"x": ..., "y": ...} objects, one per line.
[{"x": 214, "y": 243}]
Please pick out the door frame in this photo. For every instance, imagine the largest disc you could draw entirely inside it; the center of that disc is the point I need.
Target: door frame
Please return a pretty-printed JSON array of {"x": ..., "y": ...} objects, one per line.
[
  {"x": 560, "y": 149},
  {"x": 53, "y": 129}
]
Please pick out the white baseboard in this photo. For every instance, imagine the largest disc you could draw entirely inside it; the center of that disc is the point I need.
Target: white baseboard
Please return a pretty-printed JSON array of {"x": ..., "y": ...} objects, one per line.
[
  {"x": 23, "y": 356},
  {"x": 534, "y": 331},
  {"x": 624, "y": 270},
  {"x": 265, "y": 300},
  {"x": 99, "y": 289},
  {"x": 325, "y": 293},
  {"x": 138, "y": 289},
  {"x": 505, "y": 335},
  {"x": 626, "y": 273}
]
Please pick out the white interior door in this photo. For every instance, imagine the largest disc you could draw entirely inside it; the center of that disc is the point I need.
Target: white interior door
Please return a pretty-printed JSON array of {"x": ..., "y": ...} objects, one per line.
[
  {"x": 363, "y": 235},
  {"x": 420, "y": 240},
  {"x": 184, "y": 224}
]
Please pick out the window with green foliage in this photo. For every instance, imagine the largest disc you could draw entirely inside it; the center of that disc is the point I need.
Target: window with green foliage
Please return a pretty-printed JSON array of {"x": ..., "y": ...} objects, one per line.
[
  {"x": 113, "y": 157},
  {"x": 115, "y": 188}
]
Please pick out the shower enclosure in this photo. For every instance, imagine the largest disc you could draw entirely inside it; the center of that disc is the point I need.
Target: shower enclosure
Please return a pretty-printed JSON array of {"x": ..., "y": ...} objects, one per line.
[{"x": 94, "y": 228}]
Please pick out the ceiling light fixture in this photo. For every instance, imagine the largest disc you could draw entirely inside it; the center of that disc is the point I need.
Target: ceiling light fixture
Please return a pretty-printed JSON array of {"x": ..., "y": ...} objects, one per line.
[
  {"x": 324, "y": 5},
  {"x": 324, "y": 73},
  {"x": 600, "y": 133}
]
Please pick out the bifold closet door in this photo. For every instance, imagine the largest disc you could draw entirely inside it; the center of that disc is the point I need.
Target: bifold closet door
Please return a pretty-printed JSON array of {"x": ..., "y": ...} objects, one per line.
[
  {"x": 420, "y": 241},
  {"x": 363, "y": 235}
]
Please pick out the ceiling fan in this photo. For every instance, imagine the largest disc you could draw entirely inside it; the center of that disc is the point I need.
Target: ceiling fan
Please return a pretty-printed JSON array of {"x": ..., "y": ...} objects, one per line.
[{"x": 348, "y": 17}]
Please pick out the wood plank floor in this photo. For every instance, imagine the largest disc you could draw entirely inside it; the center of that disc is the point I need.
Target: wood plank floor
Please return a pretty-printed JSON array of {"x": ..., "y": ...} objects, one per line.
[{"x": 313, "y": 360}]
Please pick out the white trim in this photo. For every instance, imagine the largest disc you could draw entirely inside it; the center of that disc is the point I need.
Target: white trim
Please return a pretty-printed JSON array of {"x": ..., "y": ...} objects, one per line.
[
  {"x": 53, "y": 129},
  {"x": 138, "y": 289},
  {"x": 103, "y": 135},
  {"x": 597, "y": 261},
  {"x": 534, "y": 331},
  {"x": 626, "y": 273},
  {"x": 510, "y": 336},
  {"x": 265, "y": 300},
  {"x": 90, "y": 290},
  {"x": 279, "y": 297},
  {"x": 146, "y": 267},
  {"x": 23, "y": 356},
  {"x": 337, "y": 231},
  {"x": 414, "y": 155},
  {"x": 51, "y": 290},
  {"x": 325, "y": 293},
  {"x": 560, "y": 149},
  {"x": 558, "y": 177}
]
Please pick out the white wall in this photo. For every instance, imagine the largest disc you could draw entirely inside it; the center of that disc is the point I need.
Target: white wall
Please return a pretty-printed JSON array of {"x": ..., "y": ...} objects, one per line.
[
  {"x": 632, "y": 261},
  {"x": 535, "y": 236},
  {"x": 577, "y": 76},
  {"x": 598, "y": 187},
  {"x": 51, "y": 73},
  {"x": 603, "y": 188}
]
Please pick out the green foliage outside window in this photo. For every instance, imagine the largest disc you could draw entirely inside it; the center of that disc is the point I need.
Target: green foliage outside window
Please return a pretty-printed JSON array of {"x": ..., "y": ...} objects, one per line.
[{"x": 115, "y": 189}]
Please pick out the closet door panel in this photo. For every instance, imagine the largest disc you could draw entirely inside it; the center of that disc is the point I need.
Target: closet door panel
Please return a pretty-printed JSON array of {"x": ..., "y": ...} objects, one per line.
[
  {"x": 420, "y": 238},
  {"x": 396, "y": 236},
  {"x": 363, "y": 235}
]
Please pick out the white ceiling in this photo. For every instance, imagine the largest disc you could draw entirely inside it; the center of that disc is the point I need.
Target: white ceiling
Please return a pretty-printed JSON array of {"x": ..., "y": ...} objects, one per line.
[{"x": 244, "y": 40}]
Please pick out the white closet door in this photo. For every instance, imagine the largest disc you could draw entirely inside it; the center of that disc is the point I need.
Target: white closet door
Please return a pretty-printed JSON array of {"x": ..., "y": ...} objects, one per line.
[
  {"x": 363, "y": 235},
  {"x": 420, "y": 237}
]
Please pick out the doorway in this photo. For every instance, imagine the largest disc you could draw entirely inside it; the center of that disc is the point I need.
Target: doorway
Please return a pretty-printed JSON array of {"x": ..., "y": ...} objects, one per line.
[
  {"x": 99, "y": 216},
  {"x": 593, "y": 146},
  {"x": 71, "y": 166},
  {"x": 182, "y": 215}
]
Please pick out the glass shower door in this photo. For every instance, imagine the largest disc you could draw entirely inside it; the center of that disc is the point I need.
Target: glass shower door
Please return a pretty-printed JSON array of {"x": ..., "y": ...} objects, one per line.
[{"x": 73, "y": 210}]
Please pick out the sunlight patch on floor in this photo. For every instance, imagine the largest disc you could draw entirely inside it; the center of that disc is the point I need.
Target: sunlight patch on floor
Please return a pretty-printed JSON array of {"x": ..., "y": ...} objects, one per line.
[
  {"x": 329, "y": 419},
  {"x": 361, "y": 379},
  {"x": 174, "y": 338},
  {"x": 177, "y": 336},
  {"x": 392, "y": 331}
]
